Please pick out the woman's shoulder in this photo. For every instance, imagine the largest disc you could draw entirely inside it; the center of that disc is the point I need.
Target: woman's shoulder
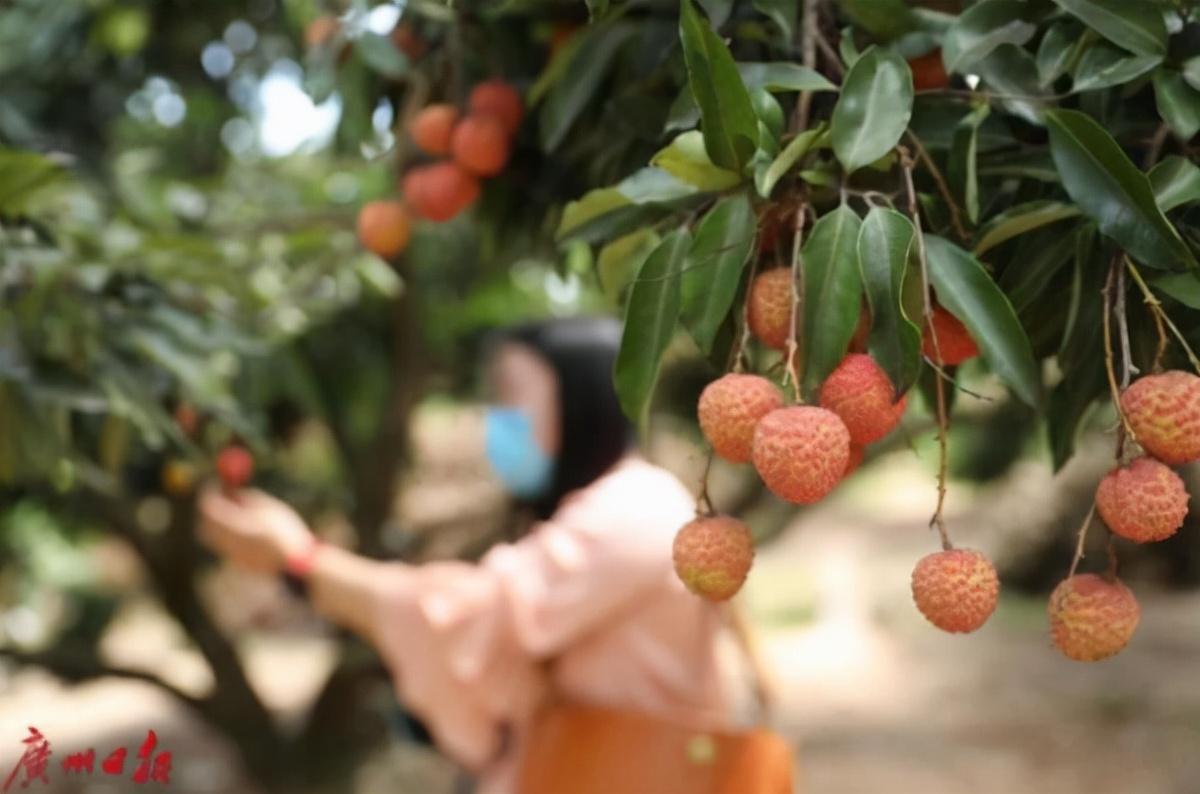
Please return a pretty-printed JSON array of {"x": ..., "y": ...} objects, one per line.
[{"x": 636, "y": 495}]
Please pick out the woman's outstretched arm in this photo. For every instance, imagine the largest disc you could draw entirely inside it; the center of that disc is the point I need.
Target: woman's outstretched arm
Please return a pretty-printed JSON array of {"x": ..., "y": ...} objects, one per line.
[{"x": 261, "y": 533}]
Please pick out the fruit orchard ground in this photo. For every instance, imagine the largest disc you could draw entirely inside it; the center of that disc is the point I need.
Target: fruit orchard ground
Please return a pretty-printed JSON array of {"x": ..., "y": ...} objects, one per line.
[{"x": 877, "y": 699}]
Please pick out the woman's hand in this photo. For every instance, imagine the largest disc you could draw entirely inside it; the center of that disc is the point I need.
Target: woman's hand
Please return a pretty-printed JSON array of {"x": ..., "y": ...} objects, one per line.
[{"x": 251, "y": 528}]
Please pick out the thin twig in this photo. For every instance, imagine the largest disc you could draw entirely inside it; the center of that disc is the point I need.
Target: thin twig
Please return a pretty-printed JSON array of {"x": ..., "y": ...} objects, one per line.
[
  {"x": 944, "y": 375},
  {"x": 1127, "y": 366},
  {"x": 831, "y": 57},
  {"x": 739, "y": 353},
  {"x": 1114, "y": 389},
  {"x": 704, "y": 505},
  {"x": 797, "y": 302},
  {"x": 1156, "y": 306},
  {"x": 1082, "y": 538},
  {"x": 1154, "y": 150},
  {"x": 808, "y": 56},
  {"x": 942, "y": 186}
]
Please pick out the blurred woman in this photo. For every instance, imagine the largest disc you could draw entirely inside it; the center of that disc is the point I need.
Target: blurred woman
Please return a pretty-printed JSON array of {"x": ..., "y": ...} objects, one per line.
[{"x": 584, "y": 609}]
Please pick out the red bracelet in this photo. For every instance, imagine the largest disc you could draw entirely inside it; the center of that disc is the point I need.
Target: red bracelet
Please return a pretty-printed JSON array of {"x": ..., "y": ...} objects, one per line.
[{"x": 301, "y": 563}]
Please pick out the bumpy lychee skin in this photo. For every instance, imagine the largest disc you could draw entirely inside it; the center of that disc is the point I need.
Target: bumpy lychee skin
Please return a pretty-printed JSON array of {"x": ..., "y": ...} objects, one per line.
[
  {"x": 862, "y": 395},
  {"x": 432, "y": 127},
  {"x": 1144, "y": 501},
  {"x": 801, "y": 452},
  {"x": 770, "y": 308},
  {"x": 1164, "y": 412},
  {"x": 956, "y": 590},
  {"x": 713, "y": 555},
  {"x": 480, "y": 145},
  {"x": 1092, "y": 619},
  {"x": 235, "y": 466},
  {"x": 497, "y": 98},
  {"x": 730, "y": 407},
  {"x": 954, "y": 342}
]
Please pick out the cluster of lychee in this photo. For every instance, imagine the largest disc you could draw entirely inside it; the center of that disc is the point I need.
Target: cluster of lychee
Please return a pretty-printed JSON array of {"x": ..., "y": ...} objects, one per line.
[
  {"x": 801, "y": 452},
  {"x": 465, "y": 149},
  {"x": 1093, "y": 617},
  {"x": 233, "y": 464}
]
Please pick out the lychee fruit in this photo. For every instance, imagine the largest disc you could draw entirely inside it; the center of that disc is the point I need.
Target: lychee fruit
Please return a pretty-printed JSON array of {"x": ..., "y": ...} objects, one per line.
[
  {"x": 384, "y": 228},
  {"x": 480, "y": 144},
  {"x": 431, "y": 129},
  {"x": 713, "y": 555},
  {"x": 1164, "y": 412},
  {"x": 497, "y": 98},
  {"x": 406, "y": 39},
  {"x": 857, "y": 454},
  {"x": 235, "y": 467},
  {"x": 178, "y": 477},
  {"x": 1092, "y": 618},
  {"x": 1144, "y": 501},
  {"x": 730, "y": 407},
  {"x": 956, "y": 590},
  {"x": 801, "y": 452},
  {"x": 770, "y": 309},
  {"x": 862, "y": 332},
  {"x": 862, "y": 395},
  {"x": 321, "y": 31},
  {"x": 440, "y": 191},
  {"x": 928, "y": 72},
  {"x": 187, "y": 419},
  {"x": 954, "y": 342}
]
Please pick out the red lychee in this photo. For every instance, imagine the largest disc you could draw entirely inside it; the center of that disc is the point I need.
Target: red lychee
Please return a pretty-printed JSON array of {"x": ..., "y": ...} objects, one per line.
[
  {"x": 1144, "y": 501},
  {"x": 801, "y": 452},
  {"x": 384, "y": 228},
  {"x": 235, "y": 466},
  {"x": 1091, "y": 618},
  {"x": 480, "y": 145},
  {"x": 956, "y": 590},
  {"x": 730, "y": 407},
  {"x": 1164, "y": 412},
  {"x": 440, "y": 191},
  {"x": 432, "y": 127},
  {"x": 928, "y": 72},
  {"x": 862, "y": 395},
  {"x": 770, "y": 310},
  {"x": 857, "y": 454},
  {"x": 713, "y": 555},
  {"x": 497, "y": 98},
  {"x": 954, "y": 342}
]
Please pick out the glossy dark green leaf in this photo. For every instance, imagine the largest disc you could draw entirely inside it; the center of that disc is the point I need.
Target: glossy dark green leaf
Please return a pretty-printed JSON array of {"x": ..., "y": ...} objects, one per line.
[
  {"x": 581, "y": 79},
  {"x": 651, "y": 315},
  {"x": 884, "y": 19},
  {"x": 685, "y": 158},
  {"x": 22, "y": 175},
  {"x": 1191, "y": 72},
  {"x": 779, "y": 76},
  {"x": 647, "y": 186},
  {"x": 963, "y": 168},
  {"x": 1183, "y": 287},
  {"x": 1103, "y": 66},
  {"x": 770, "y": 115},
  {"x": 982, "y": 28},
  {"x": 713, "y": 267},
  {"x": 1136, "y": 26},
  {"x": 1021, "y": 219},
  {"x": 381, "y": 54},
  {"x": 1178, "y": 103},
  {"x": 1027, "y": 277},
  {"x": 786, "y": 159},
  {"x": 1110, "y": 190},
  {"x": 782, "y": 12},
  {"x": 619, "y": 260},
  {"x": 726, "y": 115},
  {"x": 1011, "y": 72},
  {"x": 717, "y": 11},
  {"x": 886, "y": 266},
  {"x": 832, "y": 293},
  {"x": 683, "y": 113},
  {"x": 1175, "y": 181},
  {"x": 873, "y": 110},
  {"x": 968, "y": 292},
  {"x": 597, "y": 8},
  {"x": 1056, "y": 51}
]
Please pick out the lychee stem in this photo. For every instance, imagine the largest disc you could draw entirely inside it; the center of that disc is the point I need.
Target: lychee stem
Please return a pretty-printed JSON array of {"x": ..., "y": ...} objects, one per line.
[
  {"x": 1081, "y": 539},
  {"x": 704, "y": 505},
  {"x": 738, "y": 364},
  {"x": 1109, "y": 367},
  {"x": 797, "y": 301},
  {"x": 1160, "y": 316}
]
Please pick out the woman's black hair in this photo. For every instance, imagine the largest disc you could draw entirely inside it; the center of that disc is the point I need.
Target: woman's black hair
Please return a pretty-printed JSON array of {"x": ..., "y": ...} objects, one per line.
[{"x": 595, "y": 432}]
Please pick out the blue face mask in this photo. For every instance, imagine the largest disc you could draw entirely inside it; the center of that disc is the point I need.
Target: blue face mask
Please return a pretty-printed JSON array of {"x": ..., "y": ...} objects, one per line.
[{"x": 524, "y": 469}]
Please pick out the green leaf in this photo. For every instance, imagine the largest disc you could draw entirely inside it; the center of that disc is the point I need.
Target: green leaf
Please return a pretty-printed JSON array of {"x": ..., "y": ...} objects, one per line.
[
  {"x": 596, "y": 9},
  {"x": 1136, "y": 26},
  {"x": 888, "y": 276},
  {"x": 683, "y": 113},
  {"x": 770, "y": 115},
  {"x": 1178, "y": 103},
  {"x": 1031, "y": 269},
  {"x": 884, "y": 19},
  {"x": 966, "y": 290},
  {"x": 1110, "y": 190},
  {"x": 873, "y": 110},
  {"x": 647, "y": 186},
  {"x": 650, "y": 318},
  {"x": 1010, "y": 70},
  {"x": 1056, "y": 51},
  {"x": 618, "y": 261},
  {"x": 963, "y": 169},
  {"x": 686, "y": 159},
  {"x": 1021, "y": 219},
  {"x": 847, "y": 49},
  {"x": 582, "y": 77},
  {"x": 778, "y": 77},
  {"x": 713, "y": 267},
  {"x": 717, "y": 11},
  {"x": 1175, "y": 181},
  {"x": 381, "y": 54},
  {"x": 1103, "y": 66},
  {"x": 22, "y": 175},
  {"x": 1191, "y": 72},
  {"x": 1183, "y": 287},
  {"x": 727, "y": 117},
  {"x": 782, "y": 12},
  {"x": 982, "y": 28},
  {"x": 791, "y": 154},
  {"x": 832, "y": 293}
]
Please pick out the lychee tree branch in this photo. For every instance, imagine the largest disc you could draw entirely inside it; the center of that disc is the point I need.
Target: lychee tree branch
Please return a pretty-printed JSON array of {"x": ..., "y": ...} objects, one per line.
[
  {"x": 1161, "y": 316},
  {"x": 1081, "y": 539},
  {"x": 1125, "y": 430},
  {"x": 942, "y": 186},
  {"x": 797, "y": 302}
]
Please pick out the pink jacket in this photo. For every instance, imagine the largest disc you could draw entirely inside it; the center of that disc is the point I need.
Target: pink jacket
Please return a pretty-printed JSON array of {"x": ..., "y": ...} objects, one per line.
[{"x": 592, "y": 590}]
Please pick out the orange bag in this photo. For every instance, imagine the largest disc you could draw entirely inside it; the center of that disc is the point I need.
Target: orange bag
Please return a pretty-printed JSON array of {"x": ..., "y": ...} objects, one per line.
[{"x": 578, "y": 749}]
